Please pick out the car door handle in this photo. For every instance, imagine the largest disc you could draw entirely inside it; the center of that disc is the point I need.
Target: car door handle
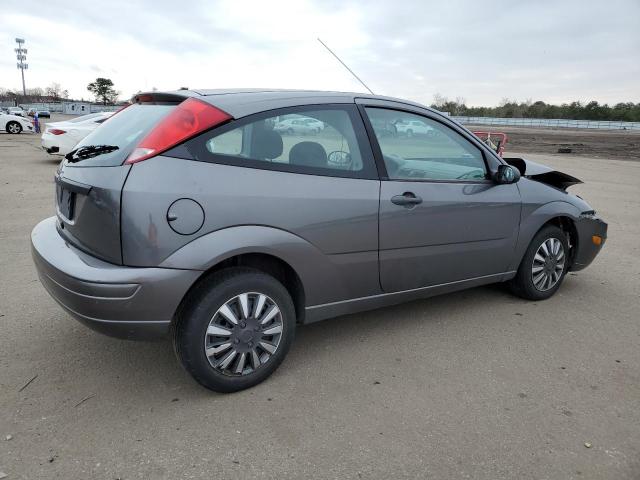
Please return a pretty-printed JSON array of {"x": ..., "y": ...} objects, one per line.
[{"x": 406, "y": 199}]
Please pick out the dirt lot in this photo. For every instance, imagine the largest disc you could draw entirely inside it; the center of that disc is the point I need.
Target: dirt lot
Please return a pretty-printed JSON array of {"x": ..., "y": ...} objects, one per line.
[
  {"x": 606, "y": 144},
  {"x": 476, "y": 384}
]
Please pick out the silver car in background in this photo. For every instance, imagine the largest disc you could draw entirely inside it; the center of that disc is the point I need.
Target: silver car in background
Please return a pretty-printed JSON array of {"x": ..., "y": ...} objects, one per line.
[{"x": 190, "y": 214}]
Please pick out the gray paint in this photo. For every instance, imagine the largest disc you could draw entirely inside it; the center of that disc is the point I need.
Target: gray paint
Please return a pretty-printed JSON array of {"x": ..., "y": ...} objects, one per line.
[
  {"x": 334, "y": 219},
  {"x": 350, "y": 246},
  {"x": 459, "y": 231},
  {"x": 96, "y": 222},
  {"x": 121, "y": 301},
  {"x": 541, "y": 203},
  {"x": 326, "y": 278}
]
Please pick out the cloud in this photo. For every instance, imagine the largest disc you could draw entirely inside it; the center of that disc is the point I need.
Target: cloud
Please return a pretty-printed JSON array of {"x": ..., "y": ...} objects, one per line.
[{"x": 482, "y": 51}]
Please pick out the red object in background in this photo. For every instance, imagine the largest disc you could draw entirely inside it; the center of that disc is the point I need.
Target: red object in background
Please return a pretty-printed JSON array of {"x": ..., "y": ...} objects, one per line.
[{"x": 495, "y": 140}]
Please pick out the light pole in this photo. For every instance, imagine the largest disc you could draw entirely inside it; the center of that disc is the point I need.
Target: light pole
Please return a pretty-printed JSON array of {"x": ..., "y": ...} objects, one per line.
[{"x": 21, "y": 55}]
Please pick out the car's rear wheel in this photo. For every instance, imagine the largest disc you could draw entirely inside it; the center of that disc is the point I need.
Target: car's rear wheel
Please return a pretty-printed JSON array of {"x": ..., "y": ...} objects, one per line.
[
  {"x": 235, "y": 329},
  {"x": 544, "y": 265},
  {"x": 14, "y": 127}
]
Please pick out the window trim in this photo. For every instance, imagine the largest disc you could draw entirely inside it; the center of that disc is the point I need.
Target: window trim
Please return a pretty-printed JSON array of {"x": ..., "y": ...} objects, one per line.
[
  {"x": 195, "y": 148},
  {"x": 377, "y": 151}
]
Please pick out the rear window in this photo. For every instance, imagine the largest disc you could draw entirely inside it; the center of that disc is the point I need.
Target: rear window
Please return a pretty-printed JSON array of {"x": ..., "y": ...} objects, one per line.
[{"x": 124, "y": 131}]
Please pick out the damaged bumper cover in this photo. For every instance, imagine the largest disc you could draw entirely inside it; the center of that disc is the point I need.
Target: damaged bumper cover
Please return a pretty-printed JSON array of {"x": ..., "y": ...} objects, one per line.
[
  {"x": 591, "y": 230},
  {"x": 592, "y": 235}
]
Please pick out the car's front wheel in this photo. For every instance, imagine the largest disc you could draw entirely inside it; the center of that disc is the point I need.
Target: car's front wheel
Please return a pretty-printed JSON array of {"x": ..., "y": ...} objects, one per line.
[
  {"x": 235, "y": 329},
  {"x": 544, "y": 265},
  {"x": 14, "y": 127}
]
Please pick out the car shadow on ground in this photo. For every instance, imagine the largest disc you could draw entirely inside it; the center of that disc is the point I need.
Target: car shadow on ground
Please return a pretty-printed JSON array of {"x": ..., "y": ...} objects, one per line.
[{"x": 147, "y": 364}]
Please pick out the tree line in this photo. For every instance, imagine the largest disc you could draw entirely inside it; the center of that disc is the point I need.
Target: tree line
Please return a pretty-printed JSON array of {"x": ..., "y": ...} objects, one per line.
[
  {"x": 101, "y": 88},
  {"x": 624, "y": 111},
  {"x": 52, "y": 93}
]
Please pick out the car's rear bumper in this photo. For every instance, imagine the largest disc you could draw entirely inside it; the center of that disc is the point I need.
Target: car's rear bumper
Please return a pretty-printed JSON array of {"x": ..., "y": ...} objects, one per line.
[
  {"x": 590, "y": 229},
  {"x": 50, "y": 144},
  {"x": 125, "y": 302}
]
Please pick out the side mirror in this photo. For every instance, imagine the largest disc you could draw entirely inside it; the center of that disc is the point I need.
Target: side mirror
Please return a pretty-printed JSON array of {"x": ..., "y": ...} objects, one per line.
[{"x": 507, "y": 174}]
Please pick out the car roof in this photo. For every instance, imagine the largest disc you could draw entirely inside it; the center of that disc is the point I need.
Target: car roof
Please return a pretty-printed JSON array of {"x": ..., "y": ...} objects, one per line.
[{"x": 242, "y": 102}]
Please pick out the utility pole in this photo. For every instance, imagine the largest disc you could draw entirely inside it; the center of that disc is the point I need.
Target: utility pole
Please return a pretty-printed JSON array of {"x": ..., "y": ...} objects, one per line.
[{"x": 21, "y": 55}]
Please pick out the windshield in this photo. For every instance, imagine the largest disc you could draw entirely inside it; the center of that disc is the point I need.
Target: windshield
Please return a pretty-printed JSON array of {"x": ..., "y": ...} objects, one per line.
[{"x": 110, "y": 144}]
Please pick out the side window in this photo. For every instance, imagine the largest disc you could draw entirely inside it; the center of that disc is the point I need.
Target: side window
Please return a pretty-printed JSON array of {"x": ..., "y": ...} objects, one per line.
[
  {"x": 415, "y": 147},
  {"x": 321, "y": 142}
]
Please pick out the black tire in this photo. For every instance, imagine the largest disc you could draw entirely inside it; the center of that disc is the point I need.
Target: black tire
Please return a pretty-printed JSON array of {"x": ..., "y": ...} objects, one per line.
[
  {"x": 201, "y": 305},
  {"x": 14, "y": 125},
  {"x": 522, "y": 284}
]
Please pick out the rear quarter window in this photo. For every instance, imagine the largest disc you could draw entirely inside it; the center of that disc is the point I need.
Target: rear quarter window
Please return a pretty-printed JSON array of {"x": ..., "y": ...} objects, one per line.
[{"x": 321, "y": 140}]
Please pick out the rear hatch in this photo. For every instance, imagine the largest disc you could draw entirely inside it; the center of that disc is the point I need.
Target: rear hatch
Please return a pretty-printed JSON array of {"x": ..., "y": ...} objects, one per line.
[{"x": 90, "y": 179}]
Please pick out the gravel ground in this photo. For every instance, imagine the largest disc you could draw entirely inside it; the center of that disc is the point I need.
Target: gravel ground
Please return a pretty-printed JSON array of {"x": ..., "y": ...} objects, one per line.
[
  {"x": 476, "y": 384},
  {"x": 603, "y": 144}
]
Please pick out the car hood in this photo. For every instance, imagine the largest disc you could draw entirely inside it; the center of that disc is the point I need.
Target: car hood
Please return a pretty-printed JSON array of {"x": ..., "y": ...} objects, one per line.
[
  {"x": 14, "y": 117},
  {"x": 542, "y": 173}
]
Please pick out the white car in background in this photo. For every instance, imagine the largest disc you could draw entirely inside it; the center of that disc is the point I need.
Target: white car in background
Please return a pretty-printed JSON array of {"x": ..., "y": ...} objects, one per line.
[
  {"x": 17, "y": 111},
  {"x": 59, "y": 138},
  {"x": 413, "y": 127},
  {"x": 15, "y": 124},
  {"x": 303, "y": 125}
]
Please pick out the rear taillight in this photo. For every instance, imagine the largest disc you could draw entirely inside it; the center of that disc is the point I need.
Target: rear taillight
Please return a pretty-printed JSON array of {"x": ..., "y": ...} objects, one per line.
[
  {"x": 185, "y": 121},
  {"x": 56, "y": 131}
]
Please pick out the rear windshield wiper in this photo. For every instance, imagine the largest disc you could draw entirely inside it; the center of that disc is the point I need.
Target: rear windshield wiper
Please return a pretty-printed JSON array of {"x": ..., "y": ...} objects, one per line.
[{"x": 89, "y": 151}]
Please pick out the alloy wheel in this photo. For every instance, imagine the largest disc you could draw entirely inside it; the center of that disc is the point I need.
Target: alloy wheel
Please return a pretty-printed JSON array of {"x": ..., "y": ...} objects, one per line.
[
  {"x": 548, "y": 264},
  {"x": 14, "y": 128},
  {"x": 243, "y": 334}
]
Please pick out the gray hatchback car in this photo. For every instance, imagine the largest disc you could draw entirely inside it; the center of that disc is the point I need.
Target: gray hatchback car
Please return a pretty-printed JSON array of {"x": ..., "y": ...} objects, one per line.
[{"x": 189, "y": 214}]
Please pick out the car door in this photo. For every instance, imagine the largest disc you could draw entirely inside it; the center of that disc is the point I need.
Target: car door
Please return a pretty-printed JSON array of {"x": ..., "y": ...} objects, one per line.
[{"x": 442, "y": 218}]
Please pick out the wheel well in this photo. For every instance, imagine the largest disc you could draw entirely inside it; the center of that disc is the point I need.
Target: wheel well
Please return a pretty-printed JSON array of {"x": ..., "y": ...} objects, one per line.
[
  {"x": 567, "y": 225},
  {"x": 271, "y": 265}
]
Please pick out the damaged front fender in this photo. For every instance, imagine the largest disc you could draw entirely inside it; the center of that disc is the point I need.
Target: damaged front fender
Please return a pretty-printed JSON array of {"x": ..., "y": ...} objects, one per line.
[{"x": 542, "y": 173}]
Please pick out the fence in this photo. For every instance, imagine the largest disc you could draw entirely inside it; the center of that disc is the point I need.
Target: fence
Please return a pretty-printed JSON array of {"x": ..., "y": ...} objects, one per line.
[
  {"x": 59, "y": 107},
  {"x": 550, "y": 122}
]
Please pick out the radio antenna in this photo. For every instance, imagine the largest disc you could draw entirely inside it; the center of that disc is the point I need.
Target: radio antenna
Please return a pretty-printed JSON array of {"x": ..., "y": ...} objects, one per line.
[{"x": 345, "y": 66}]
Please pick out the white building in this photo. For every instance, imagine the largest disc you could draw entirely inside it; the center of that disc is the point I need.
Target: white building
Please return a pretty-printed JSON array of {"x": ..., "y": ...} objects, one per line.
[{"x": 76, "y": 108}]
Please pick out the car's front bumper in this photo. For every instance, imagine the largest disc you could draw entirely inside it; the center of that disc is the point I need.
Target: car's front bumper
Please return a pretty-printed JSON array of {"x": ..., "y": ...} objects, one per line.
[
  {"x": 592, "y": 235},
  {"x": 125, "y": 302}
]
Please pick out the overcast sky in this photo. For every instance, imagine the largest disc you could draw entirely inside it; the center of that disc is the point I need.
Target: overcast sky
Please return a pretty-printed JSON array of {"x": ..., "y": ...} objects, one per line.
[{"x": 484, "y": 51}]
